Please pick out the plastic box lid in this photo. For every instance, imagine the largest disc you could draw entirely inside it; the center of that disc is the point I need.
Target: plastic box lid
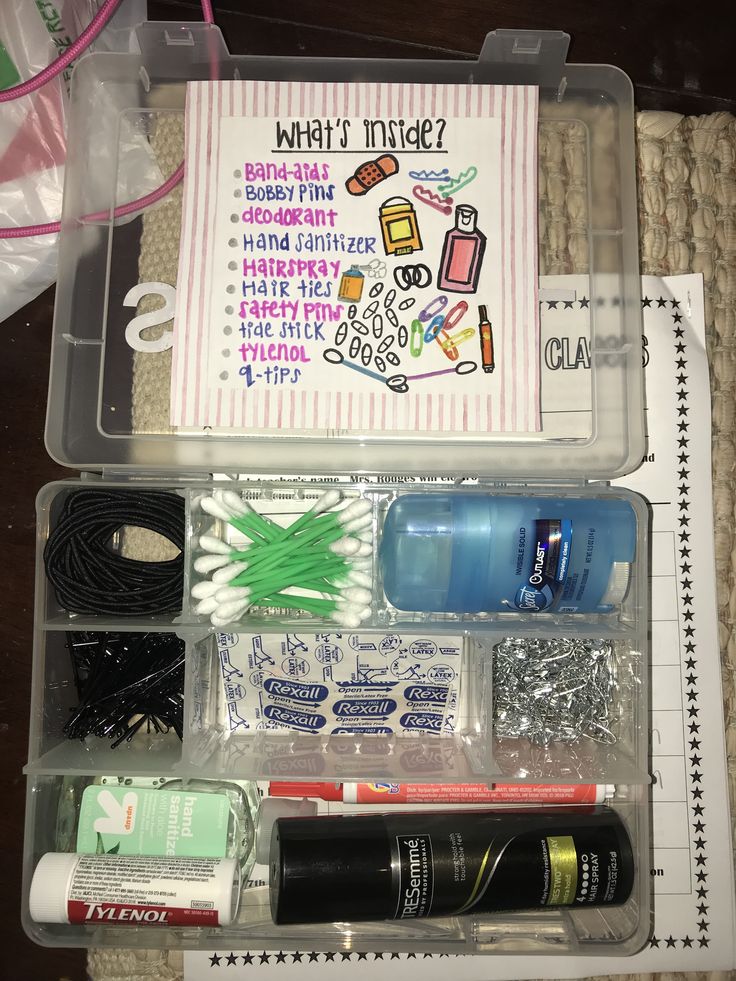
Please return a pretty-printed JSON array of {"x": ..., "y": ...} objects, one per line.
[{"x": 118, "y": 100}]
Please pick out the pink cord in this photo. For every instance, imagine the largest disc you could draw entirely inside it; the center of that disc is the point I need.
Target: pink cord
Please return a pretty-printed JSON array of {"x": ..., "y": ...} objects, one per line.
[
  {"x": 84, "y": 40},
  {"x": 87, "y": 36}
]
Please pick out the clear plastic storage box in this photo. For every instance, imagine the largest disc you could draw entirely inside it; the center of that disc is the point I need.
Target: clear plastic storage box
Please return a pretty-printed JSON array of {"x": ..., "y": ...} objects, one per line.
[{"x": 119, "y": 99}]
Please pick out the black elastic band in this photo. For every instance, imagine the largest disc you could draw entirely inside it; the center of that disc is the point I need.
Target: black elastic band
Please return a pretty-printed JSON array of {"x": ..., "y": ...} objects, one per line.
[{"x": 90, "y": 578}]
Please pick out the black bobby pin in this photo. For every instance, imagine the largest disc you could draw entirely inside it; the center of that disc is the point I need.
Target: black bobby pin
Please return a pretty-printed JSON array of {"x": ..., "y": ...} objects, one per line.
[{"x": 125, "y": 681}]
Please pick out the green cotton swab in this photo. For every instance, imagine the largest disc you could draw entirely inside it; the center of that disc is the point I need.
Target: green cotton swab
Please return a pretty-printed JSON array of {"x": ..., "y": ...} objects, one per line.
[
  {"x": 214, "y": 508},
  {"x": 317, "y": 553},
  {"x": 349, "y": 616},
  {"x": 327, "y": 501},
  {"x": 290, "y": 602},
  {"x": 286, "y": 579}
]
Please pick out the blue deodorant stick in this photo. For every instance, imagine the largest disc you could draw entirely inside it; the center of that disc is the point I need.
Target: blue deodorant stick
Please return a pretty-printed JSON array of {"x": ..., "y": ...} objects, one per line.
[{"x": 473, "y": 553}]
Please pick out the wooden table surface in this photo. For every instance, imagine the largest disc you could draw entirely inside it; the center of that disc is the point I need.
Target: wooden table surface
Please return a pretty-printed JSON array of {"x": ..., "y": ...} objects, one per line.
[{"x": 679, "y": 56}]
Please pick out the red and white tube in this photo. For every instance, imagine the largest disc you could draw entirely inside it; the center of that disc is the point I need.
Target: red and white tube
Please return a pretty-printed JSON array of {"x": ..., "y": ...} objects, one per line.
[{"x": 446, "y": 793}]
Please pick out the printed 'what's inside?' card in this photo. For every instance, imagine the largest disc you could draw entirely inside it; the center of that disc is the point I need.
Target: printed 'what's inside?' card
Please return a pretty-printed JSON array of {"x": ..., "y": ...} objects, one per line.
[{"x": 358, "y": 257}]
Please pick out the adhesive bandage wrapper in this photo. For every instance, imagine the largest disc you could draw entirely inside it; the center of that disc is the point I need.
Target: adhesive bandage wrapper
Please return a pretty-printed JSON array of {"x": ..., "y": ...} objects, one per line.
[{"x": 340, "y": 683}]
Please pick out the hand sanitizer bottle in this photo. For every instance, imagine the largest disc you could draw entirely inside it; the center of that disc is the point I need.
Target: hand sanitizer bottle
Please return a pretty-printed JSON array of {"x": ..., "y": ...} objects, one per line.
[
  {"x": 158, "y": 816},
  {"x": 462, "y": 253}
]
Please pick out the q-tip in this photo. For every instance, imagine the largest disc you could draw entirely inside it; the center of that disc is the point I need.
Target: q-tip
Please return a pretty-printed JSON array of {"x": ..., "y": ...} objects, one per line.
[
  {"x": 356, "y": 594},
  {"x": 206, "y": 606},
  {"x": 215, "y": 545},
  {"x": 328, "y": 500},
  {"x": 223, "y": 621},
  {"x": 234, "y": 502},
  {"x": 208, "y": 563},
  {"x": 348, "y": 619},
  {"x": 229, "y": 572},
  {"x": 345, "y": 547},
  {"x": 361, "y": 565},
  {"x": 225, "y": 594},
  {"x": 210, "y": 506},
  {"x": 358, "y": 524},
  {"x": 232, "y": 609},
  {"x": 203, "y": 590},
  {"x": 357, "y": 509}
]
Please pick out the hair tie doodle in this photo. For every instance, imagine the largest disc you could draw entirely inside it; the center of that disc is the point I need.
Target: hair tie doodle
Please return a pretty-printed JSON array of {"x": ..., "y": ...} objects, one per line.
[{"x": 415, "y": 275}]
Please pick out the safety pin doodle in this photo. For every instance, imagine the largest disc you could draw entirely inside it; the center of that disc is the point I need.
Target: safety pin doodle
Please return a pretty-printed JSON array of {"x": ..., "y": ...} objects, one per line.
[
  {"x": 435, "y": 306},
  {"x": 450, "y": 343}
]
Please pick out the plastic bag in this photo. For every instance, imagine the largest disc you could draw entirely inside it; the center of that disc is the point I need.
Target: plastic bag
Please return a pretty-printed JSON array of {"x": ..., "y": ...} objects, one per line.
[{"x": 32, "y": 132}]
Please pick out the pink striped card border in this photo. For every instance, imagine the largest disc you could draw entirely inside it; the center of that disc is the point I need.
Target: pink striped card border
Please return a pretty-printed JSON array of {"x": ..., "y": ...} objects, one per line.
[{"x": 514, "y": 405}]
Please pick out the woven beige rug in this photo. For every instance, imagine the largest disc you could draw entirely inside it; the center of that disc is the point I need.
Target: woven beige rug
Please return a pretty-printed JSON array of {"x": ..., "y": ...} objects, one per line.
[{"x": 687, "y": 200}]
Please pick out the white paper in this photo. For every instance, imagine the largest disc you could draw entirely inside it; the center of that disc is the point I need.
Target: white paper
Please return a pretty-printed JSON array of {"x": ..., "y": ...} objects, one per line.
[
  {"x": 691, "y": 867},
  {"x": 273, "y": 219}
]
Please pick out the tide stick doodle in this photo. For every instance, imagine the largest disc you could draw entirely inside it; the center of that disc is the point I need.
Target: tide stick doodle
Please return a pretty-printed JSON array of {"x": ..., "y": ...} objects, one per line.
[{"x": 485, "y": 330}]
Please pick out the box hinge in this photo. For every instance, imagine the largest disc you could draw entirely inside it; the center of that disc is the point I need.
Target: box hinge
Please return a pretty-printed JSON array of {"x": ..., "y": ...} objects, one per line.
[
  {"x": 175, "y": 50},
  {"x": 532, "y": 57},
  {"x": 120, "y": 475},
  {"x": 530, "y": 483}
]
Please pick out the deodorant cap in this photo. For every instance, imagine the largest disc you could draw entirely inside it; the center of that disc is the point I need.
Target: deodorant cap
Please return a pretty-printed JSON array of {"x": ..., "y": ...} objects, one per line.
[
  {"x": 618, "y": 584},
  {"x": 269, "y": 812},
  {"x": 50, "y": 887}
]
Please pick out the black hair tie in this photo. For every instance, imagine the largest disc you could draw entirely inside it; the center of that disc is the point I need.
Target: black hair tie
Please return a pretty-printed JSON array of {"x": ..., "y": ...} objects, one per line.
[{"x": 90, "y": 578}]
